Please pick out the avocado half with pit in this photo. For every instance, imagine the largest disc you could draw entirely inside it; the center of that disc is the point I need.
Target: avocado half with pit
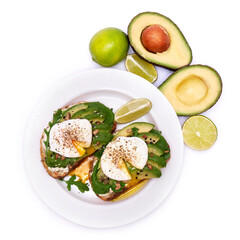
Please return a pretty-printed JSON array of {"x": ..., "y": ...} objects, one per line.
[
  {"x": 193, "y": 89},
  {"x": 158, "y": 40}
]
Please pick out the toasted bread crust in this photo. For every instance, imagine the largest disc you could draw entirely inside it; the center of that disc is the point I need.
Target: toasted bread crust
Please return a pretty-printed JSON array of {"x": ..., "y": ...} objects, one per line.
[{"x": 59, "y": 173}]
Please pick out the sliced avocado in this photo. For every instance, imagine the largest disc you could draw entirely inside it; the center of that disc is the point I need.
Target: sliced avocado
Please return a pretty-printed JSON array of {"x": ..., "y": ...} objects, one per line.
[
  {"x": 127, "y": 131},
  {"x": 109, "y": 116},
  {"x": 72, "y": 110},
  {"x": 84, "y": 112},
  {"x": 103, "y": 137},
  {"x": 97, "y": 120},
  {"x": 100, "y": 130},
  {"x": 95, "y": 115},
  {"x": 105, "y": 126},
  {"x": 149, "y": 137},
  {"x": 193, "y": 89},
  {"x": 156, "y": 160},
  {"x": 94, "y": 118},
  {"x": 149, "y": 171},
  {"x": 177, "y": 54},
  {"x": 156, "y": 144},
  {"x": 156, "y": 131},
  {"x": 153, "y": 148}
]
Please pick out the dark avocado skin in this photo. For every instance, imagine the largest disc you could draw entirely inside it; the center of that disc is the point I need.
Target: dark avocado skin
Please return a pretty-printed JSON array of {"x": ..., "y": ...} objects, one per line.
[
  {"x": 169, "y": 68},
  {"x": 192, "y": 66}
]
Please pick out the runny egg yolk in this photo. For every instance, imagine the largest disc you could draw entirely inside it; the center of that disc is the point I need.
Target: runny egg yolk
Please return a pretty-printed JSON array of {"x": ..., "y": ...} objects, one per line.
[
  {"x": 78, "y": 146},
  {"x": 82, "y": 171}
]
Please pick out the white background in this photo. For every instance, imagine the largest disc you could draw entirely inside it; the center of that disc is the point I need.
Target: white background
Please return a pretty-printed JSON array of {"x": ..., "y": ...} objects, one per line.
[{"x": 44, "y": 41}]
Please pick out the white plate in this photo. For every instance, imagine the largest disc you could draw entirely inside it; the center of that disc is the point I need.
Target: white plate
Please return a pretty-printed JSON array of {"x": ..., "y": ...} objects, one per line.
[{"x": 113, "y": 88}]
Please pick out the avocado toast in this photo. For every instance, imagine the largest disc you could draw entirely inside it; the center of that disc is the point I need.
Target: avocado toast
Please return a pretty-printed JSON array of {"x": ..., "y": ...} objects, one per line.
[
  {"x": 158, "y": 154},
  {"x": 102, "y": 123}
]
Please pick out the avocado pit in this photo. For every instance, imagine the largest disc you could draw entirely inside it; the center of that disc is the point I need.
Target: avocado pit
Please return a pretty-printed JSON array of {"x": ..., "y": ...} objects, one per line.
[
  {"x": 192, "y": 90},
  {"x": 155, "y": 39}
]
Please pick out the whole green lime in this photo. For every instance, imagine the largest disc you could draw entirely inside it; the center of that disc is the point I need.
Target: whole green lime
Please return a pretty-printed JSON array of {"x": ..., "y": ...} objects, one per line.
[{"x": 109, "y": 46}]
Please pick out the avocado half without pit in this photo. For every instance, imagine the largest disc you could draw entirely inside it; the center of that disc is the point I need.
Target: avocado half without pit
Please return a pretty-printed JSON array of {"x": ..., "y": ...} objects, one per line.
[
  {"x": 158, "y": 40},
  {"x": 193, "y": 89}
]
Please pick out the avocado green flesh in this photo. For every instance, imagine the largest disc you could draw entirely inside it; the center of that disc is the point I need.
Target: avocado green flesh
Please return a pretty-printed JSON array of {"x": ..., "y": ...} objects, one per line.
[
  {"x": 145, "y": 173},
  {"x": 107, "y": 112},
  {"x": 156, "y": 160},
  {"x": 193, "y": 89},
  {"x": 179, "y": 53},
  {"x": 149, "y": 137},
  {"x": 153, "y": 148},
  {"x": 84, "y": 112},
  {"x": 72, "y": 110},
  {"x": 98, "y": 115},
  {"x": 102, "y": 137},
  {"x": 95, "y": 117},
  {"x": 141, "y": 126},
  {"x": 104, "y": 126}
]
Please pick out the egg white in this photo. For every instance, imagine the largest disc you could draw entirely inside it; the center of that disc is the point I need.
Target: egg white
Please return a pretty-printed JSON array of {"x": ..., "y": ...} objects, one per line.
[
  {"x": 62, "y": 134},
  {"x": 131, "y": 149}
]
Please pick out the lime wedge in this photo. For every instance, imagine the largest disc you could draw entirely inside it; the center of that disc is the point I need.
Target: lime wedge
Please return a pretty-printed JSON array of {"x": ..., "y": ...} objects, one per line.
[
  {"x": 138, "y": 66},
  {"x": 133, "y": 110},
  {"x": 199, "y": 132}
]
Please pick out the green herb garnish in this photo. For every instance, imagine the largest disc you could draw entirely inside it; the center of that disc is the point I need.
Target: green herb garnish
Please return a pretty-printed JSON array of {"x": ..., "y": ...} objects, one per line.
[
  {"x": 102, "y": 188},
  {"x": 135, "y": 131},
  {"x": 56, "y": 118},
  {"x": 83, "y": 187}
]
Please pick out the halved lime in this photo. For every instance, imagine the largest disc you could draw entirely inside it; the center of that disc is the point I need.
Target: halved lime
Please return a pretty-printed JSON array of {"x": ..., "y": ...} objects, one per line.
[
  {"x": 199, "y": 132},
  {"x": 136, "y": 65},
  {"x": 133, "y": 110}
]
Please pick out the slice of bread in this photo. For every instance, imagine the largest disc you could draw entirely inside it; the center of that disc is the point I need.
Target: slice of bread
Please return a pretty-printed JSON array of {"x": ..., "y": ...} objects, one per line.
[{"x": 57, "y": 172}]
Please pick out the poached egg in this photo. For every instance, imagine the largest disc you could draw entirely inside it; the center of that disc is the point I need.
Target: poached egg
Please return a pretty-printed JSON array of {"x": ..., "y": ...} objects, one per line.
[
  {"x": 131, "y": 149},
  {"x": 64, "y": 136}
]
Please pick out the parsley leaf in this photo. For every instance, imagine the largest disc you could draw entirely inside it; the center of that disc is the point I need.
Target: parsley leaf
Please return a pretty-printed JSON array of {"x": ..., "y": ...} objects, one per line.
[
  {"x": 114, "y": 185},
  {"x": 56, "y": 118},
  {"x": 135, "y": 131},
  {"x": 80, "y": 185}
]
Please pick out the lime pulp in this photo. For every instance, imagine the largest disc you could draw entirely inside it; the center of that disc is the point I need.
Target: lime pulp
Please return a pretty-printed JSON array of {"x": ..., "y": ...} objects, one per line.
[{"x": 133, "y": 110}]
